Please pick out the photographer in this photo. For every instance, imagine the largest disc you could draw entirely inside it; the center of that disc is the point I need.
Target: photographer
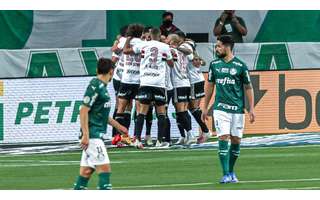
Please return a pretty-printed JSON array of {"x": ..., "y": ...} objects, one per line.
[{"x": 230, "y": 24}]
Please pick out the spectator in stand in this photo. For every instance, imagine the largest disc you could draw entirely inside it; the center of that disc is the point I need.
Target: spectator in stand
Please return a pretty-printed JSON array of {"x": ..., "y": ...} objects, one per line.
[
  {"x": 167, "y": 27},
  {"x": 230, "y": 24}
]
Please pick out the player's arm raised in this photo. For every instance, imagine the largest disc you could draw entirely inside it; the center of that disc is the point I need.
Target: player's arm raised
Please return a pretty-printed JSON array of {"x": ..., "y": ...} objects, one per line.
[
  {"x": 84, "y": 123},
  {"x": 115, "y": 47},
  {"x": 123, "y": 130},
  {"x": 127, "y": 49}
]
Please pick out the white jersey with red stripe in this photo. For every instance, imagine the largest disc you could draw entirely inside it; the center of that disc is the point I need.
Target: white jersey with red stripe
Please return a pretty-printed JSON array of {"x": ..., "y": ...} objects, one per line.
[
  {"x": 153, "y": 68},
  {"x": 194, "y": 73},
  {"x": 131, "y": 73},
  {"x": 179, "y": 73},
  {"x": 117, "y": 75}
]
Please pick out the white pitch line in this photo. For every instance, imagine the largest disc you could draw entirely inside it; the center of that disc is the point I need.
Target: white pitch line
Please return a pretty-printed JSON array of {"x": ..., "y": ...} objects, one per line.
[
  {"x": 45, "y": 164},
  {"x": 153, "y": 151},
  {"x": 281, "y": 180},
  {"x": 207, "y": 183},
  {"x": 297, "y": 188}
]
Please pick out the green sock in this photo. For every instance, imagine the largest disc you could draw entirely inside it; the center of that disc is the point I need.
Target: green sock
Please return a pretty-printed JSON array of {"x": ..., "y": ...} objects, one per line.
[
  {"x": 81, "y": 184},
  {"x": 223, "y": 155},
  {"x": 234, "y": 154},
  {"x": 104, "y": 181}
]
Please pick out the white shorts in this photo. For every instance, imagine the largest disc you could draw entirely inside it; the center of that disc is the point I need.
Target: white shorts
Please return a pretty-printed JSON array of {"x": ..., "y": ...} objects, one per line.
[
  {"x": 228, "y": 123},
  {"x": 96, "y": 154}
]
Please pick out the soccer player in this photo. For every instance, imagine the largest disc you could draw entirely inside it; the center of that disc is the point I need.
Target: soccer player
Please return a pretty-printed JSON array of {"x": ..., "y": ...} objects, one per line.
[
  {"x": 131, "y": 76},
  {"x": 94, "y": 117},
  {"x": 197, "y": 93},
  {"x": 181, "y": 85},
  {"x": 154, "y": 57},
  {"x": 118, "y": 58},
  {"x": 231, "y": 78}
]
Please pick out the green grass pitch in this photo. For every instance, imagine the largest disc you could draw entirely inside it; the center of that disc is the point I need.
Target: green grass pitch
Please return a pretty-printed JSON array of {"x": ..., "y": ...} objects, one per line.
[{"x": 257, "y": 168}]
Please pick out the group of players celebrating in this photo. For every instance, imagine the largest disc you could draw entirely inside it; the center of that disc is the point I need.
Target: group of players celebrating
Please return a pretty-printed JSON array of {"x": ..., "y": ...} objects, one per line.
[{"x": 151, "y": 71}]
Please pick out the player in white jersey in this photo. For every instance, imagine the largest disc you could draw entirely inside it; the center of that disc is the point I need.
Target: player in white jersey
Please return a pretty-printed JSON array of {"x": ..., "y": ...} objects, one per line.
[
  {"x": 118, "y": 59},
  {"x": 197, "y": 86},
  {"x": 149, "y": 118},
  {"x": 154, "y": 59},
  {"x": 181, "y": 85},
  {"x": 130, "y": 77}
]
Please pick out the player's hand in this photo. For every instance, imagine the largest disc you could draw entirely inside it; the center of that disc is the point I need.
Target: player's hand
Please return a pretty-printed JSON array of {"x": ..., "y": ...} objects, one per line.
[
  {"x": 252, "y": 116},
  {"x": 223, "y": 17},
  {"x": 204, "y": 116},
  {"x": 234, "y": 20},
  {"x": 123, "y": 130},
  {"x": 84, "y": 143}
]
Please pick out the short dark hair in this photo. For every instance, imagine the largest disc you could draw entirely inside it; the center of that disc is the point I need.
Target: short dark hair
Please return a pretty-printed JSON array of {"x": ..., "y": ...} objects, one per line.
[
  {"x": 155, "y": 32},
  {"x": 167, "y": 13},
  {"x": 123, "y": 30},
  {"x": 226, "y": 40},
  {"x": 135, "y": 30},
  {"x": 180, "y": 34},
  {"x": 104, "y": 65},
  {"x": 147, "y": 29}
]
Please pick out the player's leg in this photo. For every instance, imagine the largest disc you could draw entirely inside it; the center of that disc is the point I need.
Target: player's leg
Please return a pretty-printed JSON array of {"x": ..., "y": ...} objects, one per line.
[
  {"x": 97, "y": 157},
  {"x": 127, "y": 92},
  {"x": 196, "y": 112},
  {"x": 160, "y": 100},
  {"x": 222, "y": 122},
  {"x": 127, "y": 114},
  {"x": 168, "y": 128},
  {"x": 83, "y": 178},
  {"x": 149, "y": 118},
  {"x": 180, "y": 127},
  {"x": 145, "y": 99},
  {"x": 236, "y": 135},
  {"x": 104, "y": 172},
  {"x": 116, "y": 85},
  {"x": 181, "y": 116},
  {"x": 162, "y": 124},
  {"x": 86, "y": 170}
]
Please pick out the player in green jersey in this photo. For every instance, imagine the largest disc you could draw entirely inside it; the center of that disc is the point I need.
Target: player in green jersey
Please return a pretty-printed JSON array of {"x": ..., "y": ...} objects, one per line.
[
  {"x": 232, "y": 80},
  {"x": 94, "y": 117}
]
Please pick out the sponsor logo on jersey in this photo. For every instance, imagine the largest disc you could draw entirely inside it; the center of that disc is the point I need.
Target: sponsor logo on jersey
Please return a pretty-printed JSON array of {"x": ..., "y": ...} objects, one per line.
[
  {"x": 226, "y": 80},
  {"x": 159, "y": 97},
  {"x": 233, "y": 71},
  {"x": 131, "y": 71},
  {"x": 225, "y": 70},
  {"x": 227, "y": 106},
  {"x": 107, "y": 104},
  {"x": 151, "y": 74}
]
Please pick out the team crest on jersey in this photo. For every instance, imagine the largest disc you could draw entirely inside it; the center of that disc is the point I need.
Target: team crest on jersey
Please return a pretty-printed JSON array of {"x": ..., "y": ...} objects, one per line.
[
  {"x": 86, "y": 99},
  {"x": 233, "y": 71}
]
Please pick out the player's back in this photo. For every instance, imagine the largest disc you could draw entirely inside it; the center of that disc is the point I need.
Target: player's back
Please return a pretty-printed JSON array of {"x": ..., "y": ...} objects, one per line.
[
  {"x": 153, "y": 69},
  {"x": 131, "y": 74}
]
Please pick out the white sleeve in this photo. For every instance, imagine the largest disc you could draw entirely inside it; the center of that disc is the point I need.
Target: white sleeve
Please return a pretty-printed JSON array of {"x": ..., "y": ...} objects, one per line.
[
  {"x": 121, "y": 43},
  {"x": 186, "y": 46},
  {"x": 190, "y": 57},
  {"x": 136, "y": 48},
  {"x": 168, "y": 52}
]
